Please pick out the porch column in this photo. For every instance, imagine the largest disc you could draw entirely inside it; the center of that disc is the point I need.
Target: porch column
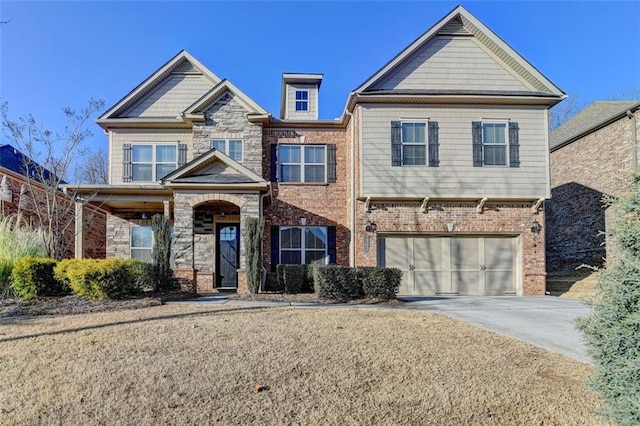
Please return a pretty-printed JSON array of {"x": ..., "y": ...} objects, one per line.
[
  {"x": 79, "y": 234},
  {"x": 167, "y": 210}
]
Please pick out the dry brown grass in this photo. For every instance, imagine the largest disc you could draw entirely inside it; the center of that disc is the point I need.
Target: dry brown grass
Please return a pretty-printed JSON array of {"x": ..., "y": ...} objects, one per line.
[{"x": 188, "y": 364}]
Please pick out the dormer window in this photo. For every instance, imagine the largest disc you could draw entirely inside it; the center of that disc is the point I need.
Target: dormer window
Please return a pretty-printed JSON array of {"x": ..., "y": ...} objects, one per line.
[{"x": 302, "y": 100}]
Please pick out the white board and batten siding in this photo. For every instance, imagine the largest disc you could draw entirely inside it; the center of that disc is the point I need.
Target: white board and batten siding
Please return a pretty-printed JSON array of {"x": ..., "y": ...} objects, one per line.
[
  {"x": 119, "y": 137},
  {"x": 456, "y": 177},
  {"x": 452, "y": 63},
  {"x": 290, "y": 109}
]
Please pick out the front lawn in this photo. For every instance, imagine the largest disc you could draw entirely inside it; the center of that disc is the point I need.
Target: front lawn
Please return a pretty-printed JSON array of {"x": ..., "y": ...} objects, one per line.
[{"x": 198, "y": 364}]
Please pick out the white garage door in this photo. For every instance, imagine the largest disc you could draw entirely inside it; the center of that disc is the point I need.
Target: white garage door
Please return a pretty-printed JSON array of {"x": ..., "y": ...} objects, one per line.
[{"x": 452, "y": 265}]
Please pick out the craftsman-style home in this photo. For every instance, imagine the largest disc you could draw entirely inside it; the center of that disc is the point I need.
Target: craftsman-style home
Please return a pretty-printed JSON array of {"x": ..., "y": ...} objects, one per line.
[{"x": 439, "y": 165}]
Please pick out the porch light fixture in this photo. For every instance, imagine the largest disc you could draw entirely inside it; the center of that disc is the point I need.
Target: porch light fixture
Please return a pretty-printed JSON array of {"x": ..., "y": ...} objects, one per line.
[
  {"x": 370, "y": 226},
  {"x": 144, "y": 211},
  {"x": 535, "y": 227},
  {"x": 222, "y": 215},
  {"x": 303, "y": 221}
]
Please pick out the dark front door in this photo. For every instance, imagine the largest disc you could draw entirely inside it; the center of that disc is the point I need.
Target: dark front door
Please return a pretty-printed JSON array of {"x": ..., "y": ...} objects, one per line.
[{"x": 228, "y": 258}]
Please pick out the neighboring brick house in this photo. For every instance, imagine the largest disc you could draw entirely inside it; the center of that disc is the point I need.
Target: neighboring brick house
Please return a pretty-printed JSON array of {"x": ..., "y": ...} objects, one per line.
[
  {"x": 438, "y": 166},
  {"x": 16, "y": 200},
  {"x": 592, "y": 155}
]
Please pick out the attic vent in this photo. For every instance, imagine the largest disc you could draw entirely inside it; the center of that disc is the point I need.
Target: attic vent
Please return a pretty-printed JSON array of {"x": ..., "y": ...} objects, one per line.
[{"x": 454, "y": 27}]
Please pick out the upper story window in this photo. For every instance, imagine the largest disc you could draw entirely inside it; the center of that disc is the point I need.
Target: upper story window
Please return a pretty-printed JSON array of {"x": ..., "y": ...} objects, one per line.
[
  {"x": 231, "y": 147},
  {"x": 495, "y": 143},
  {"x": 151, "y": 162},
  {"x": 299, "y": 163},
  {"x": 302, "y": 100},
  {"x": 414, "y": 143},
  {"x": 302, "y": 245}
]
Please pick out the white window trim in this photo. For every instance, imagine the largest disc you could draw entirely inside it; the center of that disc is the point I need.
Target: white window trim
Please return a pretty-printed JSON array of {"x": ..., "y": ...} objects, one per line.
[
  {"x": 506, "y": 142},
  {"x": 425, "y": 143},
  {"x": 226, "y": 147},
  {"x": 302, "y": 247},
  {"x": 132, "y": 247},
  {"x": 295, "y": 99},
  {"x": 153, "y": 162},
  {"x": 302, "y": 163}
]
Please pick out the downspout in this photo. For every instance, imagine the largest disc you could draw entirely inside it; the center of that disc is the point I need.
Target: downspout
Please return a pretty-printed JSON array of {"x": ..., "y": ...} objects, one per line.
[
  {"x": 263, "y": 280},
  {"x": 352, "y": 205},
  {"x": 634, "y": 141}
]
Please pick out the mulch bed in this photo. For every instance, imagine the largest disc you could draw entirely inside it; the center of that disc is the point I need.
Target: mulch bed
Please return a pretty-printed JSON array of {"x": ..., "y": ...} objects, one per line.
[{"x": 72, "y": 305}]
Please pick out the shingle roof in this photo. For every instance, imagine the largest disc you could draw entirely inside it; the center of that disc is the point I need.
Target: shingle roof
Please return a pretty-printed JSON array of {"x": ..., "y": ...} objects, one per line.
[
  {"x": 16, "y": 161},
  {"x": 589, "y": 120}
]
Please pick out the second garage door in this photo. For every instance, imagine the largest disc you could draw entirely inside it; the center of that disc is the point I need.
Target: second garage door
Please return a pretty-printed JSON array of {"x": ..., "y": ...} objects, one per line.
[{"x": 452, "y": 265}]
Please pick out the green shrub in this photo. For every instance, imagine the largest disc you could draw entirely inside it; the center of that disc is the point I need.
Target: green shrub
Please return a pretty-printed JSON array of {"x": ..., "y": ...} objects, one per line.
[
  {"x": 381, "y": 283},
  {"x": 272, "y": 283},
  {"x": 33, "y": 276},
  {"x": 308, "y": 286},
  {"x": 253, "y": 231},
  {"x": 612, "y": 330},
  {"x": 337, "y": 282},
  {"x": 293, "y": 278},
  {"x": 101, "y": 279},
  {"x": 6, "y": 291},
  {"x": 161, "y": 253}
]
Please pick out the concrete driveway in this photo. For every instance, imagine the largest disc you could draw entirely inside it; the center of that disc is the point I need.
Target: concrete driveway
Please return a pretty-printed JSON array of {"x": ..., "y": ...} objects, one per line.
[{"x": 544, "y": 321}]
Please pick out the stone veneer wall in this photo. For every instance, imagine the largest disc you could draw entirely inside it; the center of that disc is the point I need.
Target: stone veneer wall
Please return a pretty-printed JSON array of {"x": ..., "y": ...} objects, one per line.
[
  {"x": 496, "y": 218},
  {"x": 320, "y": 204},
  {"x": 227, "y": 119},
  {"x": 582, "y": 173}
]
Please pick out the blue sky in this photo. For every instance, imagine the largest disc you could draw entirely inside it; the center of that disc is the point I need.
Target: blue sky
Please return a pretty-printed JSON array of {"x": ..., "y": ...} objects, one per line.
[{"x": 57, "y": 54}]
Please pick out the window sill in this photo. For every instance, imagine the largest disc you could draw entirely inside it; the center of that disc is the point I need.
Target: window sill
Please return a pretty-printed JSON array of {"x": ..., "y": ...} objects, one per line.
[{"x": 303, "y": 183}]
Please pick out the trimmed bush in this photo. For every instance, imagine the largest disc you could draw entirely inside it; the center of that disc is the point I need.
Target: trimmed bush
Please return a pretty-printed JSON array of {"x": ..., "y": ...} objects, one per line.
[
  {"x": 101, "y": 279},
  {"x": 33, "y": 276},
  {"x": 337, "y": 282},
  {"x": 381, "y": 283},
  {"x": 253, "y": 231},
  {"x": 161, "y": 253},
  {"x": 272, "y": 283},
  {"x": 308, "y": 286},
  {"x": 292, "y": 278}
]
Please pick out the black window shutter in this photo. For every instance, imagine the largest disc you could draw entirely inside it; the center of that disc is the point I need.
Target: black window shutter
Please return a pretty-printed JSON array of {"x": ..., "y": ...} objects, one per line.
[
  {"x": 476, "y": 132},
  {"x": 274, "y": 162},
  {"x": 275, "y": 247},
  {"x": 514, "y": 145},
  {"x": 396, "y": 143},
  {"x": 434, "y": 156},
  {"x": 331, "y": 163},
  {"x": 331, "y": 244},
  {"x": 182, "y": 154},
  {"x": 127, "y": 168}
]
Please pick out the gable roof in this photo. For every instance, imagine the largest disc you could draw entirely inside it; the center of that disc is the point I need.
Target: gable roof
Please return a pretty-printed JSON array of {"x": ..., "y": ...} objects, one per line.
[
  {"x": 459, "y": 22},
  {"x": 595, "y": 116},
  {"x": 155, "y": 79},
  {"x": 217, "y": 92},
  {"x": 194, "y": 173},
  {"x": 15, "y": 161}
]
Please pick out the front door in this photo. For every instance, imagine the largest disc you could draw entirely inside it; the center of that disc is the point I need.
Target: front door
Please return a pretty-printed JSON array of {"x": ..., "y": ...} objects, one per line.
[{"x": 228, "y": 258}]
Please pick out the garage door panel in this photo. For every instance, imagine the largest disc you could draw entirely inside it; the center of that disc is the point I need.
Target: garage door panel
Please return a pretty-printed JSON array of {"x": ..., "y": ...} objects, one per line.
[
  {"x": 464, "y": 253},
  {"x": 397, "y": 253},
  {"x": 427, "y": 254},
  {"x": 428, "y": 282},
  {"x": 466, "y": 283},
  {"x": 499, "y": 283},
  {"x": 499, "y": 253}
]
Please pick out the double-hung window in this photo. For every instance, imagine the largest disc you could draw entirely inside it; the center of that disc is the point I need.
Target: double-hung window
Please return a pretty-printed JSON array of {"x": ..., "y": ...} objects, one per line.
[
  {"x": 414, "y": 148},
  {"x": 495, "y": 143},
  {"x": 302, "y": 100},
  {"x": 303, "y": 163},
  {"x": 141, "y": 243},
  {"x": 302, "y": 245},
  {"x": 151, "y": 162},
  {"x": 230, "y": 147},
  {"x": 415, "y": 143}
]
